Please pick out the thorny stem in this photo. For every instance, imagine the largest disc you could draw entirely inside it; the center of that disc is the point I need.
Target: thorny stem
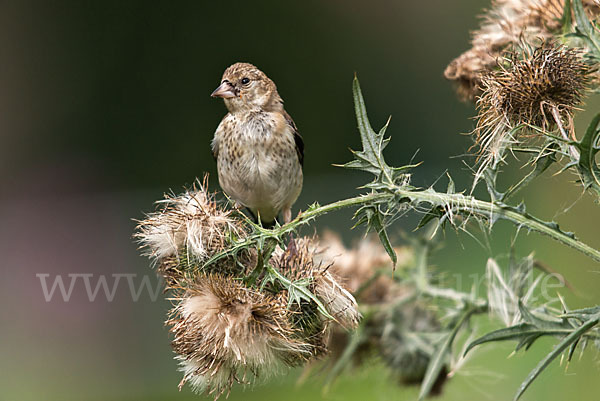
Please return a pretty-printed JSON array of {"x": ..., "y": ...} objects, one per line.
[
  {"x": 457, "y": 203},
  {"x": 454, "y": 203},
  {"x": 305, "y": 217},
  {"x": 468, "y": 205}
]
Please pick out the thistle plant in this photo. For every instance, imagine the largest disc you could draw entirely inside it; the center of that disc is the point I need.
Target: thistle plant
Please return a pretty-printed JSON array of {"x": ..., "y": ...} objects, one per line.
[{"x": 250, "y": 301}]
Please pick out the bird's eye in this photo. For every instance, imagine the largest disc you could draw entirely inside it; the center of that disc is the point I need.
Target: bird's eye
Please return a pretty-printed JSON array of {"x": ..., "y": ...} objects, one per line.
[{"x": 245, "y": 81}]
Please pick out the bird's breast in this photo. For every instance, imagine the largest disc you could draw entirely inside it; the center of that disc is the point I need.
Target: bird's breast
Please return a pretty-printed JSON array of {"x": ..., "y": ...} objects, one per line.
[{"x": 258, "y": 164}]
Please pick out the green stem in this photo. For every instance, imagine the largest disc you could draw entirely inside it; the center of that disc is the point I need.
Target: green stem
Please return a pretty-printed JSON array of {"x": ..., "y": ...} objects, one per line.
[
  {"x": 452, "y": 203},
  {"x": 467, "y": 205},
  {"x": 458, "y": 204},
  {"x": 311, "y": 214}
]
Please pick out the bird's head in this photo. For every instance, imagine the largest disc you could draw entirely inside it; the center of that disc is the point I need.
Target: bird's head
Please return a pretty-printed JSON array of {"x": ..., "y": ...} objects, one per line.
[{"x": 244, "y": 88}]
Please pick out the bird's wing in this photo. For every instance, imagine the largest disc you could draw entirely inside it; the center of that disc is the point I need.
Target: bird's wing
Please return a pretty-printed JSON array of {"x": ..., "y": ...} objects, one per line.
[
  {"x": 214, "y": 145},
  {"x": 297, "y": 137}
]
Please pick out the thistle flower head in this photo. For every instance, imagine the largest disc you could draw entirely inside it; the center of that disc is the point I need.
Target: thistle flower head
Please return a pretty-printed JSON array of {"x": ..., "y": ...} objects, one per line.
[
  {"x": 192, "y": 221},
  {"x": 405, "y": 345},
  {"x": 358, "y": 266},
  {"x": 523, "y": 90},
  {"x": 506, "y": 24},
  {"x": 540, "y": 88},
  {"x": 187, "y": 230},
  {"x": 301, "y": 263},
  {"x": 225, "y": 332}
]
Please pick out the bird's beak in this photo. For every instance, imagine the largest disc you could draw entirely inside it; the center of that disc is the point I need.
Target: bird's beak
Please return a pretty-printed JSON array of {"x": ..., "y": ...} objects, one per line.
[{"x": 225, "y": 90}]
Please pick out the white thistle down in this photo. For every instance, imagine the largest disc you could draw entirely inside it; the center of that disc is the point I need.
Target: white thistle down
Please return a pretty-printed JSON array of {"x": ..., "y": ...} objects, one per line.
[
  {"x": 505, "y": 290},
  {"x": 191, "y": 221},
  {"x": 337, "y": 300}
]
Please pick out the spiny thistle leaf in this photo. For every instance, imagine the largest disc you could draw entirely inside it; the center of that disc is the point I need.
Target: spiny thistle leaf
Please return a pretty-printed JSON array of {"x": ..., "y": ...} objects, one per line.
[
  {"x": 551, "y": 225},
  {"x": 373, "y": 218},
  {"x": 370, "y": 158},
  {"x": 546, "y": 324},
  {"x": 441, "y": 353},
  {"x": 436, "y": 212},
  {"x": 583, "y": 313},
  {"x": 297, "y": 290},
  {"x": 589, "y": 147},
  {"x": 437, "y": 362},
  {"x": 566, "y": 22},
  {"x": 572, "y": 338},
  {"x": 585, "y": 30},
  {"x": 534, "y": 327},
  {"x": 391, "y": 180},
  {"x": 541, "y": 161},
  {"x": 490, "y": 176},
  {"x": 519, "y": 332}
]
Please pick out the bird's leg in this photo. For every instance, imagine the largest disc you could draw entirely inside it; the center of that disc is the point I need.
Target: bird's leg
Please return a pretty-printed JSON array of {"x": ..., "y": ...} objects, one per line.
[
  {"x": 292, "y": 249},
  {"x": 287, "y": 217}
]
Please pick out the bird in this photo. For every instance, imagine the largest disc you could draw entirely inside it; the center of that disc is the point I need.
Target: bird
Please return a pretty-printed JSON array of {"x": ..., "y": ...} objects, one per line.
[{"x": 257, "y": 147}]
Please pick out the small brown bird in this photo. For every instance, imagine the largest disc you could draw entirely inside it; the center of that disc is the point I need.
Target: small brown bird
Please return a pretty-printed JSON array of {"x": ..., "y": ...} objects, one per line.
[{"x": 258, "y": 149}]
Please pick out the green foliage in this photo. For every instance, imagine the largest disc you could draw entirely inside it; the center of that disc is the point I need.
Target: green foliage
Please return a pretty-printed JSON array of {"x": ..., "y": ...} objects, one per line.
[
  {"x": 443, "y": 351},
  {"x": 398, "y": 195},
  {"x": 298, "y": 290},
  {"x": 370, "y": 158},
  {"x": 589, "y": 146},
  {"x": 585, "y": 29},
  {"x": 573, "y": 329}
]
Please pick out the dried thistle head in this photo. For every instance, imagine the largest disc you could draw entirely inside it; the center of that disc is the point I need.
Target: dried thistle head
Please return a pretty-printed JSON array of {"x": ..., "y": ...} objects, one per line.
[
  {"x": 406, "y": 343},
  {"x": 524, "y": 89},
  {"x": 225, "y": 332},
  {"x": 188, "y": 229},
  {"x": 337, "y": 300},
  {"x": 301, "y": 262},
  {"x": 506, "y": 24},
  {"x": 359, "y": 266},
  {"x": 180, "y": 269},
  {"x": 540, "y": 88},
  {"x": 228, "y": 325},
  {"x": 398, "y": 332},
  {"x": 192, "y": 220}
]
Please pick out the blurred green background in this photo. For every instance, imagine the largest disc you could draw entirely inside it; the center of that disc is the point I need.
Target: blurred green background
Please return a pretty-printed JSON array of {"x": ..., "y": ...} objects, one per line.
[{"x": 104, "y": 106}]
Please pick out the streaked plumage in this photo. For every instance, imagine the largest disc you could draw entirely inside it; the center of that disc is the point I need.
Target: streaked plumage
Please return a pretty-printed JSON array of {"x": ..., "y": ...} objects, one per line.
[{"x": 258, "y": 150}]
